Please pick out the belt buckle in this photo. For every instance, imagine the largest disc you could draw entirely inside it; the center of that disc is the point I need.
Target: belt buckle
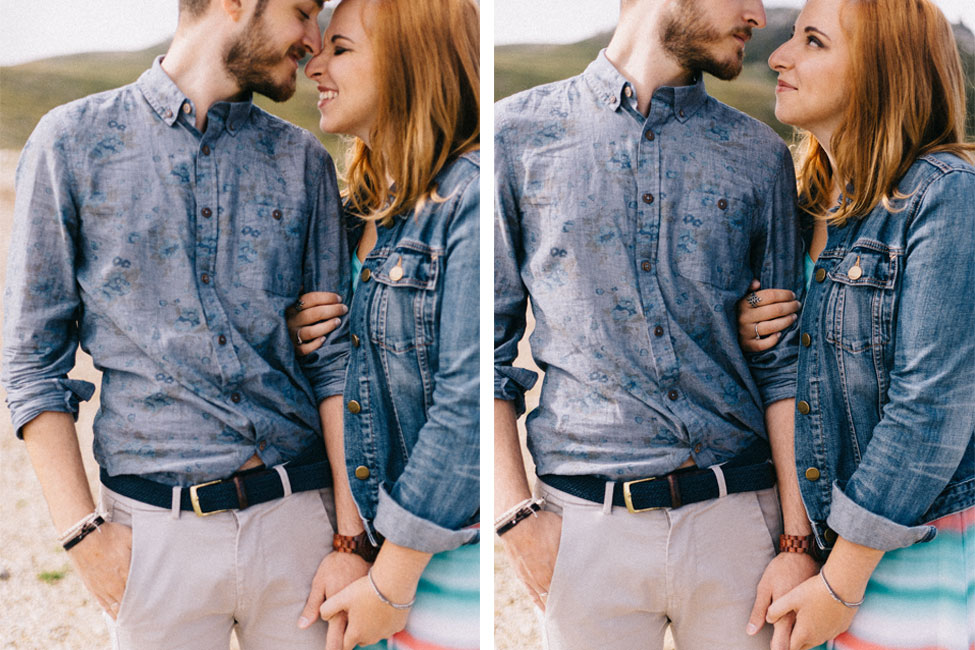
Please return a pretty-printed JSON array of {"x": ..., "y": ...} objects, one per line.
[
  {"x": 628, "y": 498},
  {"x": 195, "y": 499}
]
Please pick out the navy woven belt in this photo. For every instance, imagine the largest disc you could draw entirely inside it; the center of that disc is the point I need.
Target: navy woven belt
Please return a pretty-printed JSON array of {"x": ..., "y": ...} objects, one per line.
[
  {"x": 679, "y": 488},
  {"x": 241, "y": 490}
]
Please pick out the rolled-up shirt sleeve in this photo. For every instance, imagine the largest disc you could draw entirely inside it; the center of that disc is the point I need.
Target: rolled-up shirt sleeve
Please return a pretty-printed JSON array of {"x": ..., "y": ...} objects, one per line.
[
  {"x": 326, "y": 268},
  {"x": 927, "y": 421},
  {"x": 510, "y": 294},
  {"x": 777, "y": 263},
  {"x": 41, "y": 300},
  {"x": 433, "y": 503}
]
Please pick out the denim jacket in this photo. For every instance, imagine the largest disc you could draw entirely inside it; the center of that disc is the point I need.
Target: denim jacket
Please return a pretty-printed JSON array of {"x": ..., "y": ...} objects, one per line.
[
  {"x": 411, "y": 392},
  {"x": 886, "y": 398}
]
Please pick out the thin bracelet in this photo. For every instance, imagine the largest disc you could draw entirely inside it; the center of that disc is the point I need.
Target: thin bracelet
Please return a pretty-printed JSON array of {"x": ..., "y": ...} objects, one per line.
[
  {"x": 387, "y": 600},
  {"x": 836, "y": 596},
  {"x": 86, "y": 530}
]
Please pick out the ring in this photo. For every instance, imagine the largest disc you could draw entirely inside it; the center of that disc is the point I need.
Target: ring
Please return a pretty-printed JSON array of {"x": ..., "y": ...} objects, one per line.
[
  {"x": 543, "y": 594},
  {"x": 113, "y": 606},
  {"x": 758, "y": 337},
  {"x": 299, "y": 305},
  {"x": 300, "y": 342},
  {"x": 753, "y": 299}
]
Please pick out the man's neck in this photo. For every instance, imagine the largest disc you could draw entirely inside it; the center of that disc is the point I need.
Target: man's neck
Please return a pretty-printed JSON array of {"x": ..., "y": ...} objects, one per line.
[
  {"x": 635, "y": 51},
  {"x": 195, "y": 64}
]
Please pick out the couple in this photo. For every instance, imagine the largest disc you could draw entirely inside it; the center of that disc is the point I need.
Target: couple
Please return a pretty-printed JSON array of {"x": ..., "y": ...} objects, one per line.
[
  {"x": 634, "y": 211},
  {"x": 167, "y": 226}
]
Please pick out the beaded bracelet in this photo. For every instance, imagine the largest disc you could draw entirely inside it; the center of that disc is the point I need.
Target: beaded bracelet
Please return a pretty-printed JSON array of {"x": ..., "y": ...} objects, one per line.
[
  {"x": 387, "y": 600},
  {"x": 836, "y": 596}
]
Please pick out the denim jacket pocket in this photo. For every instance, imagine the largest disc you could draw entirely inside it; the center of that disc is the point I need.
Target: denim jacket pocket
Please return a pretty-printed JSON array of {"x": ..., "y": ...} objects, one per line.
[
  {"x": 404, "y": 309},
  {"x": 269, "y": 240},
  {"x": 860, "y": 301}
]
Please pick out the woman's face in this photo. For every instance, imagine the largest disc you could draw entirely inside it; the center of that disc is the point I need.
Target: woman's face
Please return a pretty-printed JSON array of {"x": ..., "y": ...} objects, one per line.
[
  {"x": 345, "y": 73},
  {"x": 813, "y": 67}
]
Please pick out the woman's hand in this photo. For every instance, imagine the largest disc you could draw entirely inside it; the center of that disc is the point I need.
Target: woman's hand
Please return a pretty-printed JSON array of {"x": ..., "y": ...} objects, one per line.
[
  {"x": 760, "y": 326},
  {"x": 818, "y": 616},
  {"x": 315, "y": 315}
]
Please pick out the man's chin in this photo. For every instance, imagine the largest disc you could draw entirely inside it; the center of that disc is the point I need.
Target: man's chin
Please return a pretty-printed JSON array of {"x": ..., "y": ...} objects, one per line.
[{"x": 276, "y": 92}]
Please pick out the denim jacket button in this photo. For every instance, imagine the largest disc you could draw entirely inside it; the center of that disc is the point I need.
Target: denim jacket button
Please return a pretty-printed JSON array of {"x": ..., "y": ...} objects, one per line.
[
  {"x": 812, "y": 474},
  {"x": 353, "y": 406},
  {"x": 806, "y": 339},
  {"x": 365, "y": 275},
  {"x": 803, "y": 407},
  {"x": 820, "y": 275},
  {"x": 355, "y": 341},
  {"x": 829, "y": 535},
  {"x": 362, "y": 472}
]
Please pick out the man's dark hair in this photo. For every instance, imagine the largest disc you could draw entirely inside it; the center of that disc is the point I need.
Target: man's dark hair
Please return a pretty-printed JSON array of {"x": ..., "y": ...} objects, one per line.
[{"x": 196, "y": 8}]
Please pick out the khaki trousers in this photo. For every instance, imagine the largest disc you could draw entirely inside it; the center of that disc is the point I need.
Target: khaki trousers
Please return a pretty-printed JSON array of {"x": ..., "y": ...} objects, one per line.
[
  {"x": 193, "y": 579},
  {"x": 620, "y": 578}
]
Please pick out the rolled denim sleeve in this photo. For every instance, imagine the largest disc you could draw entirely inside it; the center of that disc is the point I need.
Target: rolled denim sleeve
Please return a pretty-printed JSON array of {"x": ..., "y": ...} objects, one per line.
[
  {"x": 41, "y": 300},
  {"x": 777, "y": 263},
  {"x": 928, "y": 420},
  {"x": 326, "y": 268},
  {"x": 438, "y": 493},
  {"x": 510, "y": 294}
]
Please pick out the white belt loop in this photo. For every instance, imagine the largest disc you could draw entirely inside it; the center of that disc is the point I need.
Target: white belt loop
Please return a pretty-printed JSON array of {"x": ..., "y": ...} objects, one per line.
[
  {"x": 722, "y": 486},
  {"x": 608, "y": 498},
  {"x": 285, "y": 481},
  {"x": 175, "y": 505}
]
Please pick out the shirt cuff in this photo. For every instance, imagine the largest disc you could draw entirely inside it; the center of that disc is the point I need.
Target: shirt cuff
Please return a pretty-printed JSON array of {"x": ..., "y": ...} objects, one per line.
[
  {"x": 54, "y": 395},
  {"x": 510, "y": 385},
  {"x": 402, "y": 527},
  {"x": 856, "y": 524},
  {"x": 778, "y": 391}
]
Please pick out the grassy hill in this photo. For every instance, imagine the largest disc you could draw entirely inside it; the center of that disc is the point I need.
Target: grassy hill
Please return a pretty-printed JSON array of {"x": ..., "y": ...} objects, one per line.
[{"x": 517, "y": 67}]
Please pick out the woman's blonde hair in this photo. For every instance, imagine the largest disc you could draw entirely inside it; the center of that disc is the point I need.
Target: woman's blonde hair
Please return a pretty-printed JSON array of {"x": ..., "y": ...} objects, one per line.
[
  {"x": 907, "y": 99},
  {"x": 427, "y": 72}
]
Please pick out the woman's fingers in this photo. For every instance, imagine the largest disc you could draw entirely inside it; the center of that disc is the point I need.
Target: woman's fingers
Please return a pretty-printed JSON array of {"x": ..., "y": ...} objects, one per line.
[
  {"x": 752, "y": 344},
  {"x": 314, "y": 313},
  {"x": 767, "y": 313}
]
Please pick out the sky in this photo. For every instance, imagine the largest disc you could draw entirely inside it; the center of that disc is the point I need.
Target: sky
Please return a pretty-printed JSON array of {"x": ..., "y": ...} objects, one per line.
[{"x": 32, "y": 30}]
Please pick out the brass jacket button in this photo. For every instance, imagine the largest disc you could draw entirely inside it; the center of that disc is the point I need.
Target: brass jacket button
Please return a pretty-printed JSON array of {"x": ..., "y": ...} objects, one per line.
[
  {"x": 812, "y": 474},
  {"x": 353, "y": 406},
  {"x": 365, "y": 275},
  {"x": 362, "y": 472},
  {"x": 806, "y": 339},
  {"x": 355, "y": 341},
  {"x": 803, "y": 407},
  {"x": 820, "y": 275}
]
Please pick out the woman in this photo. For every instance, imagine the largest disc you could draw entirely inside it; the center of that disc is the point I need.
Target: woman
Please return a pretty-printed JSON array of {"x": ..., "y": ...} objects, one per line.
[
  {"x": 885, "y": 412},
  {"x": 402, "y": 79}
]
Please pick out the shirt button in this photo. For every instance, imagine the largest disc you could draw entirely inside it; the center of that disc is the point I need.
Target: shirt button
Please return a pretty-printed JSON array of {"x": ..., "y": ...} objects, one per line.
[
  {"x": 206, "y": 150},
  {"x": 235, "y": 398},
  {"x": 806, "y": 339},
  {"x": 803, "y": 407},
  {"x": 722, "y": 204},
  {"x": 698, "y": 447},
  {"x": 645, "y": 265},
  {"x": 205, "y": 278},
  {"x": 658, "y": 331},
  {"x": 263, "y": 445},
  {"x": 830, "y": 535},
  {"x": 681, "y": 112},
  {"x": 206, "y": 212},
  {"x": 365, "y": 275},
  {"x": 353, "y": 406},
  {"x": 355, "y": 341},
  {"x": 187, "y": 108},
  {"x": 362, "y": 472},
  {"x": 647, "y": 197},
  {"x": 276, "y": 214},
  {"x": 169, "y": 113},
  {"x": 820, "y": 275},
  {"x": 673, "y": 395},
  {"x": 222, "y": 340},
  {"x": 812, "y": 474},
  {"x": 649, "y": 135}
]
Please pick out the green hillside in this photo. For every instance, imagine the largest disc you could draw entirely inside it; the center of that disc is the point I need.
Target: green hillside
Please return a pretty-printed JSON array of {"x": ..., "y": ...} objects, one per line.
[{"x": 517, "y": 67}]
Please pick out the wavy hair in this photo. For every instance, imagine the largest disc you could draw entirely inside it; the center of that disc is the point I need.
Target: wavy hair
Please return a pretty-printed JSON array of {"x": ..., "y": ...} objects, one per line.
[
  {"x": 427, "y": 70},
  {"x": 907, "y": 99}
]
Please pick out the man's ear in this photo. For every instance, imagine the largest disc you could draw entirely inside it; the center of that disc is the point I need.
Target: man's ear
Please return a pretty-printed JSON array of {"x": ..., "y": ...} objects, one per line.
[{"x": 233, "y": 8}]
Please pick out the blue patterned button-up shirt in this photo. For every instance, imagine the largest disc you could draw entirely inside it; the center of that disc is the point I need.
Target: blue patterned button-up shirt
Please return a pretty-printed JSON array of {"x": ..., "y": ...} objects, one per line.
[
  {"x": 170, "y": 255},
  {"x": 633, "y": 238}
]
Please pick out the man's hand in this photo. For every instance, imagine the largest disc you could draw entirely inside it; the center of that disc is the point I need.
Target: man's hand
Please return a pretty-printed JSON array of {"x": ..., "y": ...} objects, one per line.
[
  {"x": 532, "y": 545},
  {"x": 334, "y": 573},
  {"x": 102, "y": 560},
  {"x": 784, "y": 572},
  {"x": 367, "y": 619}
]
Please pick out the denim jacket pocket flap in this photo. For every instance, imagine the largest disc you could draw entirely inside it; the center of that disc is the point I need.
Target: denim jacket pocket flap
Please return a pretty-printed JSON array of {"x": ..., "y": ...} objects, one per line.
[
  {"x": 866, "y": 267},
  {"x": 410, "y": 264}
]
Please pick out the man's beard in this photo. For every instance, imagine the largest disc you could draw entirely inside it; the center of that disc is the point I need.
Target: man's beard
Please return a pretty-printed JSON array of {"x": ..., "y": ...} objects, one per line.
[
  {"x": 252, "y": 58},
  {"x": 686, "y": 37}
]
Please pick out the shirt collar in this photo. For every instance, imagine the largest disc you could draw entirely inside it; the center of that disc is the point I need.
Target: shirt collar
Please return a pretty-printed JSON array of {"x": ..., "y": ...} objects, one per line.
[
  {"x": 612, "y": 89},
  {"x": 167, "y": 100}
]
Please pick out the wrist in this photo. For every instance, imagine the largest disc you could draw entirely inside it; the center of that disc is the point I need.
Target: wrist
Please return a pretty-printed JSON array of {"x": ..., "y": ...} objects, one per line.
[{"x": 358, "y": 544}]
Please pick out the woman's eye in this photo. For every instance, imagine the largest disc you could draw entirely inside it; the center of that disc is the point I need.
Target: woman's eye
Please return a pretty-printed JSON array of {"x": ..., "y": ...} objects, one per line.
[
  {"x": 812, "y": 40},
  {"x": 340, "y": 50}
]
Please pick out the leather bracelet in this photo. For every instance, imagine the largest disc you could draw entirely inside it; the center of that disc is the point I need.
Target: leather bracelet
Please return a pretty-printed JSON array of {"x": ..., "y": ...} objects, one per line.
[
  {"x": 86, "y": 529},
  {"x": 357, "y": 545},
  {"x": 836, "y": 596},
  {"x": 519, "y": 513},
  {"x": 385, "y": 600},
  {"x": 796, "y": 544}
]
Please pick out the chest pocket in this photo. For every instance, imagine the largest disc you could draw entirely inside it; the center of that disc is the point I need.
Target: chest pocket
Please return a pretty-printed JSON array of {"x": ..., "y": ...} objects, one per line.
[
  {"x": 269, "y": 238},
  {"x": 711, "y": 235},
  {"x": 860, "y": 302},
  {"x": 404, "y": 305}
]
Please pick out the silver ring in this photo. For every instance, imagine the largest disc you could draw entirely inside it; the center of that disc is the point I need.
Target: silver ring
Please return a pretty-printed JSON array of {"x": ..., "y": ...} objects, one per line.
[
  {"x": 300, "y": 342},
  {"x": 299, "y": 305},
  {"x": 543, "y": 594},
  {"x": 754, "y": 300},
  {"x": 758, "y": 337}
]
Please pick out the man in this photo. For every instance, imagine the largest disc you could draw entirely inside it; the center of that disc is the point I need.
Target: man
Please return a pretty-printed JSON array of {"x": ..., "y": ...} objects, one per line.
[
  {"x": 166, "y": 225},
  {"x": 633, "y": 209}
]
